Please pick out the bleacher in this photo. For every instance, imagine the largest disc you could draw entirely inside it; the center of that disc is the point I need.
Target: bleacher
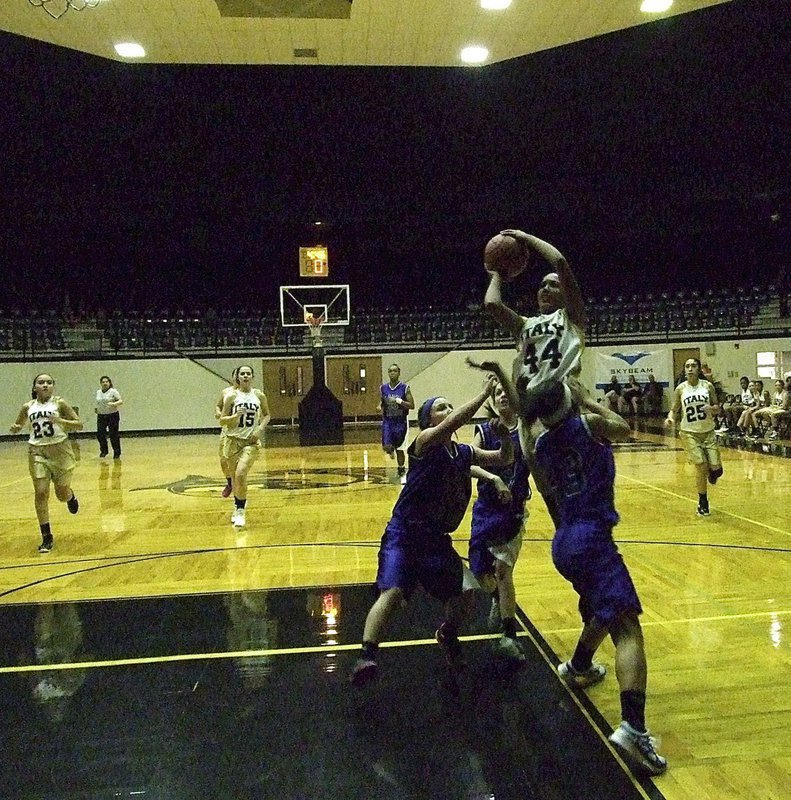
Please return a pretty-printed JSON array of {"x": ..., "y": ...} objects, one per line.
[{"x": 683, "y": 315}]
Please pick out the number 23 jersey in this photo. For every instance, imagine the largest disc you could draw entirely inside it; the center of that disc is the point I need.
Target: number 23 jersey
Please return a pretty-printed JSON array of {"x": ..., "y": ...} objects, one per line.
[
  {"x": 549, "y": 349},
  {"x": 43, "y": 430}
]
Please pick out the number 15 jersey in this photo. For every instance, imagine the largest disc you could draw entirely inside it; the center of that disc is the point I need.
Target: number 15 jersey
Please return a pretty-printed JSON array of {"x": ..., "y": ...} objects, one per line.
[
  {"x": 550, "y": 347},
  {"x": 250, "y": 406}
]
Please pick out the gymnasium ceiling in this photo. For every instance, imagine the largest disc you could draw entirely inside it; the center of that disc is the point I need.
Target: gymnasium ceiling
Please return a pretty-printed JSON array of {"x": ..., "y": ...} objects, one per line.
[{"x": 416, "y": 33}]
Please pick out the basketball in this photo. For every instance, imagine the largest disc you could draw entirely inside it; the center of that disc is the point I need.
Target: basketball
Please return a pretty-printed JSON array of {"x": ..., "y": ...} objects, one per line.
[{"x": 506, "y": 255}]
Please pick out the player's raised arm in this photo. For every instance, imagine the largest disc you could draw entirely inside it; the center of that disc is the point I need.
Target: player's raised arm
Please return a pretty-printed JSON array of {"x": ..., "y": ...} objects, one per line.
[
  {"x": 493, "y": 304},
  {"x": 572, "y": 295}
]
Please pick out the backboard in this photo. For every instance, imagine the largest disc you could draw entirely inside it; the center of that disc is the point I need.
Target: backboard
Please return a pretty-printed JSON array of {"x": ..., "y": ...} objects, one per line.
[{"x": 331, "y": 303}]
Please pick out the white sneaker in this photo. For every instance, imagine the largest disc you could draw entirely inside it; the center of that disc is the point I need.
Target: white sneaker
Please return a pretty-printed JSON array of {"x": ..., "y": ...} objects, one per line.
[
  {"x": 581, "y": 680},
  {"x": 238, "y": 519},
  {"x": 507, "y": 648},
  {"x": 638, "y": 749}
]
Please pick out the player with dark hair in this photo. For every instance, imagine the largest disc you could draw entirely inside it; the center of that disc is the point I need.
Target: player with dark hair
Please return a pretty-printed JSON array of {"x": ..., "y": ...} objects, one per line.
[
  {"x": 395, "y": 403},
  {"x": 108, "y": 401},
  {"x": 696, "y": 401},
  {"x": 416, "y": 547},
  {"x": 50, "y": 455},
  {"x": 498, "y": 521},
  {"x": 577, "y": 461},
  {"x": 550, "y": 343}
]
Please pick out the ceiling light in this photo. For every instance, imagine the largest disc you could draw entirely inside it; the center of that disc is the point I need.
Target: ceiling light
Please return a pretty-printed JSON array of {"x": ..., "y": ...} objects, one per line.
[
  {"x": 655, "y": 6},
  {"x": 495, "y": 5},
  {"x": 130, "y": 50},
  {"x": 474, "y": 54}
]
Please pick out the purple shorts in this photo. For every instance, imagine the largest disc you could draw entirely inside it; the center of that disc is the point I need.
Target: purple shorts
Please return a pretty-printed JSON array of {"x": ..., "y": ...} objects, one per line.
[
  {"x": 393, "y": 432},
  {"x": 429, "y": 560},
  {"x": 586, "y": 555}
]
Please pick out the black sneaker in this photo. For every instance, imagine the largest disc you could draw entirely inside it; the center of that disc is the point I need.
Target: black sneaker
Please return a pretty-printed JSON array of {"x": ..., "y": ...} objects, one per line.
[
  {"x": 73, "y": 505},
  {"x": 46, "y": 544},
  {"x": 715, "y": 475},
  {"x": 703, "y": 510},
  {"x": 452, "y": 647}
]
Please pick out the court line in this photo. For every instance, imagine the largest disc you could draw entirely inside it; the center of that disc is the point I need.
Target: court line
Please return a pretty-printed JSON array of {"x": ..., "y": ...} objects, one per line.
[
  {"x": 18, "y": 480},
  {"x": 670, "y": 622},
  {"x": 121, "y": 561},
  {"x": 692, "y": 501},
  {"x": 217, "y": 656},
  {"x": 369, "y": 543},
  {"x": 581, "y": 703}
]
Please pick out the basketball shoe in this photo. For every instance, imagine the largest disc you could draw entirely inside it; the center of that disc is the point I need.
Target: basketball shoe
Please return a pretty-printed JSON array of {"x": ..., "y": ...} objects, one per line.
[
  {"x": 581, "y": 680},
  {"x": 638, "y": 749}
]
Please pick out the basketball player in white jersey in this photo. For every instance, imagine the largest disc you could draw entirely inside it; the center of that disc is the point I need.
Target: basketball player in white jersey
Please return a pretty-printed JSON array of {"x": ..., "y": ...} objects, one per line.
[
  {"x": 696, "y": 400},
  {"x": 245, "y": 414},
  {"x": 50, "y": 456},
  {"x": 550, "y": 343},
  {"x": 226, "y": 471}
]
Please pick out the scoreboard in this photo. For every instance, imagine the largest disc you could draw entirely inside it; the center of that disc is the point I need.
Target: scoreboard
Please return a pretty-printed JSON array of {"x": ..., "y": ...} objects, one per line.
[{"x": 313, "y": 262}]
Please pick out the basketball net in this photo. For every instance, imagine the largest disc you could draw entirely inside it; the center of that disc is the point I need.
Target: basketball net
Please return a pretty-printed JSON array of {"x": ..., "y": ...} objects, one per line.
[{"x": 315, "y": 324}]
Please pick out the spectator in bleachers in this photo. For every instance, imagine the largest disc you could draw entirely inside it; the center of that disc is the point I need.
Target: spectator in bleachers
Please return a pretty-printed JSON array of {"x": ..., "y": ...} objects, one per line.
[
  {"x": 652, "y": 397},
  {"x": 781, "y": 404},
  {"x": 735, "y": 405},
  {"x": 614, "y": 397},
  {"x": 632, "y": 394},
  {"x": 747, "y": 424}
]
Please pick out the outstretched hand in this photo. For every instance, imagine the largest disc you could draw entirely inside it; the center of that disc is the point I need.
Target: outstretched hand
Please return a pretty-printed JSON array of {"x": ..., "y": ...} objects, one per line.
[{"x": 492, "y": 367}]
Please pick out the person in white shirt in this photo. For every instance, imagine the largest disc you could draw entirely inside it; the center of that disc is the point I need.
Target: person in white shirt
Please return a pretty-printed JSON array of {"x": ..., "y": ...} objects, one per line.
[{"x": 108, "y": 401}]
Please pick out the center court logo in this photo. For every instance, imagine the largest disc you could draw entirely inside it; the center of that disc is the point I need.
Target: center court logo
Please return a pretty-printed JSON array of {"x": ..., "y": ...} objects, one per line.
[{"x": 288, "y": 480}]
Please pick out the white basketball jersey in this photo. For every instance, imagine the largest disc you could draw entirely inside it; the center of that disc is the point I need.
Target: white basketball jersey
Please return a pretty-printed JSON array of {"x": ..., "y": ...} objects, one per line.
[
  {"x": 225, "y": 394},
  {"x": 42, "y": 429},
  {"x": 695, "y": 418},
  {"x": 549, "y": 350},
  {"x": 250, "y": 406}
]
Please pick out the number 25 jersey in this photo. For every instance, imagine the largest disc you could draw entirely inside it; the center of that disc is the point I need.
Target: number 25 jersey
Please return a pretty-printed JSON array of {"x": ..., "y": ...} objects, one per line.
[
  {"x": 549, "y": 350},
  {"x": 695, "y": 418}
]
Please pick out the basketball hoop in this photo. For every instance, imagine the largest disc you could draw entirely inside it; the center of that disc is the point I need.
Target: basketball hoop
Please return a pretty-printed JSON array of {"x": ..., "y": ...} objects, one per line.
[{"x": 315, "y": 324}]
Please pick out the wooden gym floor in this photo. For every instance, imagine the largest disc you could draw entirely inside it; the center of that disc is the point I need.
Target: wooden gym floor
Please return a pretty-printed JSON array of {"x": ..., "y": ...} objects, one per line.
[{"x": 157, "y": 650}]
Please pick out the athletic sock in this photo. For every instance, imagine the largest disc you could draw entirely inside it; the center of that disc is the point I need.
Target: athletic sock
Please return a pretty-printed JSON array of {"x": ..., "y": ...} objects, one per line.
[
  {"x": 582, "y": 659},
  {"x": 703, "y": 499},
  {"x": 45, "y": 530},
  {"x": 370, "y": 650},
  {"x": 239, "y": 503},
  {"x": 633, "y": 709},
  {"x": 509, "y": 627}
]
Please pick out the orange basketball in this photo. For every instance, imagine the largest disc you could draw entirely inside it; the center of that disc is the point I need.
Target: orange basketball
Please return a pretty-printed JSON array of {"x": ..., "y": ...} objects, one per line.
[{"x": 506, "y": 255}]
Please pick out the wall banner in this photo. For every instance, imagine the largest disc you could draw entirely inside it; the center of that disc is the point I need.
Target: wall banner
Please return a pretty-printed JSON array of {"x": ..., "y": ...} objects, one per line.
[{"x": 640, "y": 363}]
